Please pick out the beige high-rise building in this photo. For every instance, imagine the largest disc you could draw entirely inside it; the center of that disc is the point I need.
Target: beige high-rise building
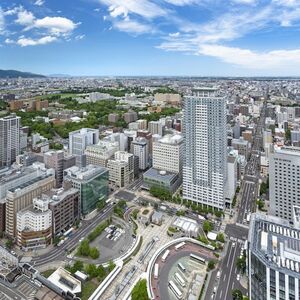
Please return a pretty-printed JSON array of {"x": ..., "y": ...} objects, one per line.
[
  {"x": 99, "y": 154},
  {"x": 168, "y": 153},
  {"x": 22, "y": 196}
]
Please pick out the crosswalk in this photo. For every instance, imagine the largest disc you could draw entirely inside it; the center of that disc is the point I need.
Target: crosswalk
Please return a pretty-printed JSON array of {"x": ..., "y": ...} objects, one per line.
[
  {"x": 4, "y": 297},
  {"x": 233, "y": 239},
  {"x": 27, "y": 290}
]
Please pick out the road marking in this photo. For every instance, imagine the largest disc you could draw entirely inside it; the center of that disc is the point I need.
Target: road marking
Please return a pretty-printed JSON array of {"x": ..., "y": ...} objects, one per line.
[
  {"x": 229, "y": 256},
  {"x": 232, "y": 261}
]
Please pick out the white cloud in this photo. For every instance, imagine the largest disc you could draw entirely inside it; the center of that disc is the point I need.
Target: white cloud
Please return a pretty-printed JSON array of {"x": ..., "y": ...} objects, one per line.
[
  {"x": 290, "y": 3},
  {"x": 244, "y": 1},
  {"x": 39, "y": 2},
  {"x": 131, "y": 26},
  {"x": 55, "y": 25},
  {"x": 143, "y": 8},
  {"x": 79, "y": 37},
  {"x": 252, "y": 59},
  {"x": 2, "y": 21},
  {"x": 9, "y": 41},
  {"x": 24, "y": 42},
  {"x": 175, "y": 34},
  {"x": 25, "y": 18},
  {"x": 182, "y": 2}
]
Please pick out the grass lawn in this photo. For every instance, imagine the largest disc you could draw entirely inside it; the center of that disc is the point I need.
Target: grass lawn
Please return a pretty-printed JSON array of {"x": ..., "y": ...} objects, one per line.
[
  {"x": 87, "y": 289},
  {"x": 48, "y": 272}
]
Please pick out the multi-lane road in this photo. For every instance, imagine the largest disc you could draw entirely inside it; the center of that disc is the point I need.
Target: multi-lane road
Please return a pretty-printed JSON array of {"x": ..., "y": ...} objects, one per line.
[
  {"x": 221, "y": 288},
  {"x": 59, "y": 253}
]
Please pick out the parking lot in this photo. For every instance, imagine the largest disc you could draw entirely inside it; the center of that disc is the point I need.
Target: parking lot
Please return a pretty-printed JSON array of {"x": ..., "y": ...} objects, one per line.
[{"x": 113, "y": 242}]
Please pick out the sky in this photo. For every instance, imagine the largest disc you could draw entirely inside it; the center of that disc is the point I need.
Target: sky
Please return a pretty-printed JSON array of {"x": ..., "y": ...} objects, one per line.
[{"x": 151, "y": 37}]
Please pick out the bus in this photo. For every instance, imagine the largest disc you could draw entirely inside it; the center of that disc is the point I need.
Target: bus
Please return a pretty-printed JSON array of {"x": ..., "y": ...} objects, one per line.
[
  {"x": 166, "y": 254},
  {"x": 181, "y": 267},
  {"x": 179, "y": 246},
  {"x": 69, "y": 232},
  {"x": 175, "y": 289},
  {"x": 179, "y": 279},
  {"x": 156, "y": 271},
  {"x": 197, "y": 258}
]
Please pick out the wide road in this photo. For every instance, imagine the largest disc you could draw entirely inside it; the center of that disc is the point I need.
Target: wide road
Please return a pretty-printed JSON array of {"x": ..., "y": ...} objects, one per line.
[
  {"x": 13, "y": 294},
  {"x": 238, "y": 232},
  {"x": 59, "y": 253},
  {"x": 228, "y": 278}
]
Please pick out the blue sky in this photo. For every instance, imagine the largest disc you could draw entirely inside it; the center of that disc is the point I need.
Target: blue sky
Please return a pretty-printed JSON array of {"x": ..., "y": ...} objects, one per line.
[{"x": 151, "y": 37}]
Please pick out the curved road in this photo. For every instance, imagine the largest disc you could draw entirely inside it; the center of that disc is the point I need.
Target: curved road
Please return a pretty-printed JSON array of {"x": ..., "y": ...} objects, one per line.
[{"x": 59, "y": 253}]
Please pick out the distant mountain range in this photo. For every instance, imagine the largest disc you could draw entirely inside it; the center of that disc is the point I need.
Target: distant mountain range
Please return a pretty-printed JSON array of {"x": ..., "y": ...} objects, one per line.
[
  {"x": 59, "y": 75},
  {"x": 16, "y": 74}
]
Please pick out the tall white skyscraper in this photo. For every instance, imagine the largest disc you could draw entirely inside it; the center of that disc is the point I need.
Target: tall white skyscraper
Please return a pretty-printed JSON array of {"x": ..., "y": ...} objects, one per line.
[
  {"x": 205, "y": 163},
  {"x": 9, "y": 139},
  {"x": 284, "y": 173}
]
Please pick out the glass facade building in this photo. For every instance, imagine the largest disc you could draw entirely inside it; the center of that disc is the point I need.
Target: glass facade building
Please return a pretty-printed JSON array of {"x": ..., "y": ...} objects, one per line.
[{"x": 92, "y": 182}]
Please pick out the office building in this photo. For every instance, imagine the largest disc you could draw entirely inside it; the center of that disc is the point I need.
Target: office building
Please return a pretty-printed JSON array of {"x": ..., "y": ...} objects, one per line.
[
  {"x": 140, "y": 149},
  {"x": 99, "y": 154},
  {"x": 168, "y": 153},
  {"x": 9, "y": 139},
  {"x": 273, "y": 259},
  {"x": 64, "y": 204},
  {"x": 21, "y": 196},
  {"x": 130, "y": 116},
  {"x": 113, "y": 118},
  {"x": 232, "y": 178},
  {"x": 34, "y": 225},
  {"x": 121, "y": 168},
  {"x": 242, "y": 146},
  {"x": 284, "y": 177},
  {"x": 79, "y": 140},
  {"x": 156, "y": 127},
  {"x": 205, "y": 162},
  {"x": 92, "y": 183},
  {"x": 55, "y": 160}
]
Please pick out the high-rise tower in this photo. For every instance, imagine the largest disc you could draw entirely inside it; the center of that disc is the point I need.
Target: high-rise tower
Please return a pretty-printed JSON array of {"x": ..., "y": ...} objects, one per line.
[
  {"x": 9, "y": 139},
  {"x": 205, "y": 158}
]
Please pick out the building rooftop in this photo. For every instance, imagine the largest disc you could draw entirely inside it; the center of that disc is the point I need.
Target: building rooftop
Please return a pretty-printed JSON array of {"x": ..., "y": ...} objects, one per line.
[
  {"x": 64, "y": 280},
  {"x": 160, "y": 175},
  {"x": 276, "y": 243},
  {"x": 288, "y": 150},
  {"x": 85, "y": 173},
  {"x": 30, "y": 182},
  {"x": 172, "y": 139}
]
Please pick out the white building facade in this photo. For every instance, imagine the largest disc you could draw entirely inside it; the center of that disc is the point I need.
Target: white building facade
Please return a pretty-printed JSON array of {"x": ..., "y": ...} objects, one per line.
[
  {"x": 168, "y": 153},
  {"x": 205, "y": 162},
  {"x": 284, "y": 176}
]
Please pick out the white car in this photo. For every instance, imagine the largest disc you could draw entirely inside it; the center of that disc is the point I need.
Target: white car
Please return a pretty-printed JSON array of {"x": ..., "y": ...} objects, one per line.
[
  {"x": 233, "y": 245},
  {"x": 81, "y": 239},
  {"x": 238, "y": 277}
]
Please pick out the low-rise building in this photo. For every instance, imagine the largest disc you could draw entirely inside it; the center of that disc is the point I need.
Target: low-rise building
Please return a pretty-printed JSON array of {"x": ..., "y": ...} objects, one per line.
[
  {"x": 34, "y": 225},
  {"x": 187, "y": 226},
  {"x": 162, "y": 179}
]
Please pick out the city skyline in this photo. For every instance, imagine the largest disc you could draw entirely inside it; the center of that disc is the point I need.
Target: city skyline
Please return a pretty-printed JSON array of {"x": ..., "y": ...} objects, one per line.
[{"x": 170, "y": 37}]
